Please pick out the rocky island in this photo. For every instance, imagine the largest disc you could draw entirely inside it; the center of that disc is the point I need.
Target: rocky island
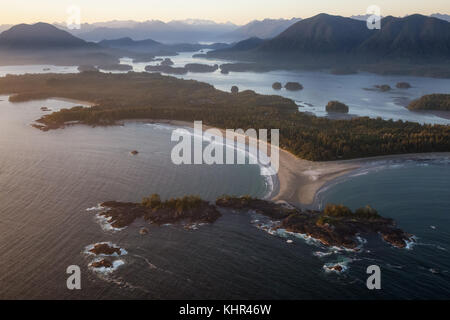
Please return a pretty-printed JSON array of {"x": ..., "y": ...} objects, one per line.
[
  {"x": 200, "y": 68},
  {"x": 189, "y": 209},
  {"x": 277, "y": 86},
  {"x": 403, "y": 85},
  {"x": 383, "y": 87},
  {"x": 336, "y": 226},
  {"x": 336, "y": 106},
  {"x": 293, "y": 86}
]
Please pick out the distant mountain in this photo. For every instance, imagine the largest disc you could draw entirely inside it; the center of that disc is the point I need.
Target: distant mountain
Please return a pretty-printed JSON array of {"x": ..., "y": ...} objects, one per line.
[
  {"x": 150, "y": 46},
  {"x": 320, "y": 34},
  {"x": 42, "y": 43},
  {"x": 128, "y": 43},
  {"x": 445, "y": 17},
  {"x": 264, "y": 29},
  {"x": 412, "y": 37},
  {"x": 4, "y": 27},
  {"x": 39, "y": 36},
  {"x": 190, "y": 30}
]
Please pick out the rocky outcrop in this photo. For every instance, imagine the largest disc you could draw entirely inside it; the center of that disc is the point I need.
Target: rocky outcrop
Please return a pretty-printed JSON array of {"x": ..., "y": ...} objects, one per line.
[
  {"x": 383, "y": 87},
  {"x": 336, "y": 106},
  {"x": 293, "y": 86},
  {"x": 167, "y": 62},
  {"x": 105, "y": 249},
  {"x": 277, "y": 86},
  {"x": 403, "y": 85},
  {"x": 335, "y": 226},
  {"x": 184, "y": 210},
  {"x": 103, "y": 263}
]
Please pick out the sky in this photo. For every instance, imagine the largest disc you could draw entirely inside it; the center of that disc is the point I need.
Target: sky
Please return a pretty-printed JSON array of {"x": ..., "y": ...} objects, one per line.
[{"x": 236, "y": 11}]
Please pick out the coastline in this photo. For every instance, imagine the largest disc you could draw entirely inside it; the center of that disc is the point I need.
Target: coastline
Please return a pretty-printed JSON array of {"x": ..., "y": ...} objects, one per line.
[{"x": 299, "y": 181}]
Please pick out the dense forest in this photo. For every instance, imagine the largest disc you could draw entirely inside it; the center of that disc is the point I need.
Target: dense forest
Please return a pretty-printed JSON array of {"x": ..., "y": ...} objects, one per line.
[
  {"x": 153, "y": 96},
  {"x": 439, "y": 102}
]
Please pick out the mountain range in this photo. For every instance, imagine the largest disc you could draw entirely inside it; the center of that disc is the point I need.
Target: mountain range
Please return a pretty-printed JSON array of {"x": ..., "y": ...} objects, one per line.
[
  {"x": 326, "y": 38},
  {"x": 175, "y": 31},
  {"x": 263, "y": 29}
]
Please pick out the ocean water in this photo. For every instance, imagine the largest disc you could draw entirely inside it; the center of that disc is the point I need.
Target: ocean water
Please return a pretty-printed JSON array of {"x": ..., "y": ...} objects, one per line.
[
  {"x": 48, "y": 180},
  {"x": 322, "y": 87}
]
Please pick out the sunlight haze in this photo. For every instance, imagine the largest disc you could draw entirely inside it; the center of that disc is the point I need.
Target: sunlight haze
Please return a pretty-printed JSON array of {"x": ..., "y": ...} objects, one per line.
[{"x": 238, "y": 12}]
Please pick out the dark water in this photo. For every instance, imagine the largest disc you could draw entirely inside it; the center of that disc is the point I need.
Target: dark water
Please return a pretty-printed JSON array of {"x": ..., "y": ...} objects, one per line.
[{"x": 48, "y": 180}]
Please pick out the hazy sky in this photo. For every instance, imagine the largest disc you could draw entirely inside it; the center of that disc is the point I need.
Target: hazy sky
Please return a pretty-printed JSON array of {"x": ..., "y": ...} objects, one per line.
[{"x": 237, "y": 11}]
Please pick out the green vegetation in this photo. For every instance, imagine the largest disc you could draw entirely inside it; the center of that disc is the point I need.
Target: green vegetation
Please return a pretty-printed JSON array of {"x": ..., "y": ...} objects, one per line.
[
  {"x": 178, "y": 204},
  {"x": 439, "y": 102},
  {"x": 153, "y": 96},
  {"x": 341, "y": 211}
]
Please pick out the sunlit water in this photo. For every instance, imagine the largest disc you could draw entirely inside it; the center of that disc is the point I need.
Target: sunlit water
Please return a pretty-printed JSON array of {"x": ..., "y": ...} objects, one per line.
[{"x": 49, "y": 179}]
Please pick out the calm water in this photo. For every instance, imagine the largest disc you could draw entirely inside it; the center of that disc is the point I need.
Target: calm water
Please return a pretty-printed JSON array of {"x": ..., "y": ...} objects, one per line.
[
  {"x": 321, "y": 87},
  {"x": 48, "y": 180}
]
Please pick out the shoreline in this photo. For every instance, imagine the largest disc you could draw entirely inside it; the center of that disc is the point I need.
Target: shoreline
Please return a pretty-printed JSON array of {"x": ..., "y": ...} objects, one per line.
[{"x": 300, "y": 181}]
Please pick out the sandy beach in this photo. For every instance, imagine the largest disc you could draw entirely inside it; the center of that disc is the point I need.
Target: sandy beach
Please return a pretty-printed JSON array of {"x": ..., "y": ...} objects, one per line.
[{"x": 299, "y": 179}]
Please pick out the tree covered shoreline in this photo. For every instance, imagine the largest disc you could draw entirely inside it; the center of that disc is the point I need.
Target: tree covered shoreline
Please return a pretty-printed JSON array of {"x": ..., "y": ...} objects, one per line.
[{"x": 153, "y": 96}]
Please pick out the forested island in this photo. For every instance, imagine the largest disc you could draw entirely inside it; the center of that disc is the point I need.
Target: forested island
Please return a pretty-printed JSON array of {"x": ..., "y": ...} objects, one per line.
[
  {"x": 336, "y": 225},
  {"x": 153, "y": 96},
  {"x": 438, "y": 102}
]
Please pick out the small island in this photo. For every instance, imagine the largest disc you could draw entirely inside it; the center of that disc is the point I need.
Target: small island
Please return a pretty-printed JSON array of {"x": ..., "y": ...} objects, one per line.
[
  {"x": 102, "y": 263},
  {"x": 115, "y": 67},
  {"x": 383, "y": 87},
  {"x": 437, "y": 102},
  {"x": 336, "y": 106},
  {"x": 403, "y": 85},
  {"x": 293, "y": 86},
  {"x": 277, "y": 86},
  {"x": 200, "y": 68},
  {"x": 166, "y": 69}
]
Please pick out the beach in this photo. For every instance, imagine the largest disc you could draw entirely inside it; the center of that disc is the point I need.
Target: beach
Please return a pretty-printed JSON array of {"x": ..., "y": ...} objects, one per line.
[{"x": 300, "y": 180}]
